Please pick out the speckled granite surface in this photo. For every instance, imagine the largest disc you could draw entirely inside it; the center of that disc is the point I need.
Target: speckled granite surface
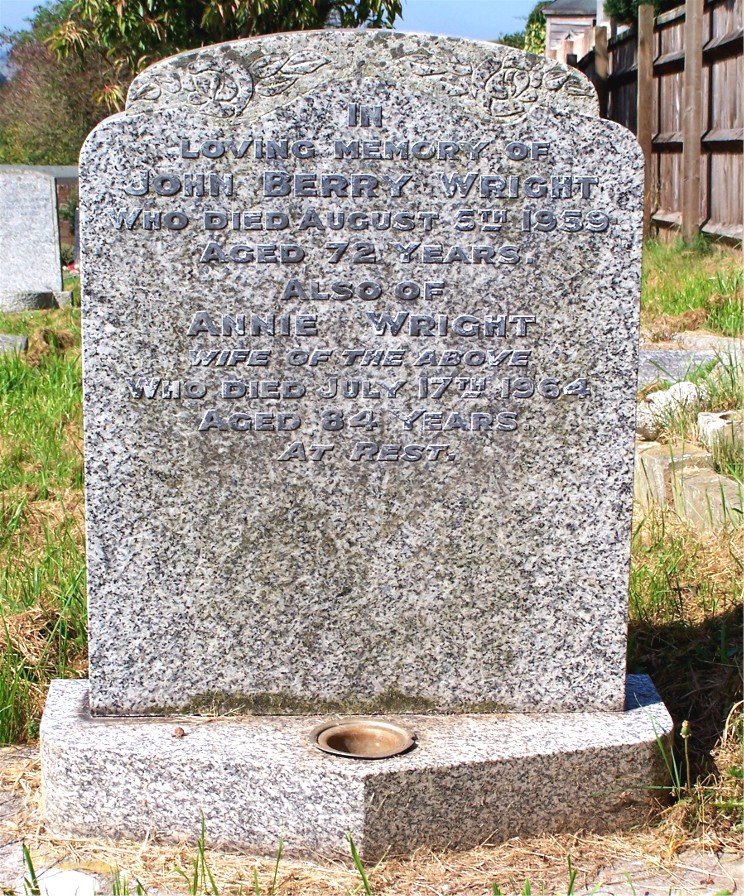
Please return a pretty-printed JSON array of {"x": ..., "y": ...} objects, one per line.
[
  {"x": 397, "y": 501},
  {"x": 31, "y": 271},
  {"x": 470, "y": 777}
]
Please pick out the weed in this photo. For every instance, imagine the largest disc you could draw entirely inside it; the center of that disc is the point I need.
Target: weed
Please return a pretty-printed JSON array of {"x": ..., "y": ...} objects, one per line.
[
  {"x": 120, "y": 885},
  {"x": 200, "y": 882},
  {"x": 674, "y": 773},
  {"x": 571, "y": 877},
  {"x": 272, "y": 888},
  {"x": 630, "y": 883},
  {"x": 30, "y": 881},
  {"x": 723, "y": 386},
  {"x": 728, "y": 457},
  {"x": 359, "y": 866}
]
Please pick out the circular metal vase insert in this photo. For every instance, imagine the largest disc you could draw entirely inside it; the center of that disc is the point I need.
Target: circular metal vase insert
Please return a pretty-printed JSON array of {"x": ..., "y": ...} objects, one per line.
[{"x": 363, "y": 739}]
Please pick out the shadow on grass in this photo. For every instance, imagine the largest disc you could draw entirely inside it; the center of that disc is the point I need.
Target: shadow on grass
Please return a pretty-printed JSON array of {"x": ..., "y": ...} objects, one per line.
[{"x": 697, "y": 669}]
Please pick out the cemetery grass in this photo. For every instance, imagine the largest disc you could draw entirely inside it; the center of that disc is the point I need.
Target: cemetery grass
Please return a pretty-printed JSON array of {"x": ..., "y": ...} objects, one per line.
[
  {"x": 691, "y": 287},
  {"x": 685, "y": 623},
  {"x": 42, "y": 561},
  {"x": 687, "y": 288}
]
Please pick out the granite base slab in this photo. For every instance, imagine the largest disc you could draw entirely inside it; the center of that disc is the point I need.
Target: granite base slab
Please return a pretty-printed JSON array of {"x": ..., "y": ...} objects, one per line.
[{"x": 469, "y": 779}]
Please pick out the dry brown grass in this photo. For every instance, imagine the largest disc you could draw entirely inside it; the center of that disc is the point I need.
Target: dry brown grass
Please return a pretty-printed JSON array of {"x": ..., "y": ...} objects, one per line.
[
  {"x": 665, "y": 326},
  {"x": 541, "y": 860},
  {"x": 66, "y": 508},
  {"x": 44, "y": 340},
  {"x": 62, "y": 511}
]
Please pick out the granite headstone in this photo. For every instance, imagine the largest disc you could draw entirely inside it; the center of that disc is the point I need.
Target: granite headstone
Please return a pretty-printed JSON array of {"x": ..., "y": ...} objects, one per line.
[
  {"x": 30, "y": 266},
  {"x": 360, "y": 351},
  {"x": 360, "y": 369}
]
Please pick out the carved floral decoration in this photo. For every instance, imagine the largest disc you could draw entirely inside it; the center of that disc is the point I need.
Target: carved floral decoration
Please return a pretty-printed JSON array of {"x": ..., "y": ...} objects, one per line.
[
  {"x": 504, "y": 86},
  {"x": 221, "y": 86}
]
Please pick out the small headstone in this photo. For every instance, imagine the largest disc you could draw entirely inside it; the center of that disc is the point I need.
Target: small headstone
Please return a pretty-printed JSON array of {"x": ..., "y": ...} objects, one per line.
[
  {"x": 30, "y": 266},
  {"x": 360, "y": 341}
]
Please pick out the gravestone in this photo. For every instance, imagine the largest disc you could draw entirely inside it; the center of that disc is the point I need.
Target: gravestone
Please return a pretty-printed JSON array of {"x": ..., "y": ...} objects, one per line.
[
  {"x": 360, "y": 341},
  {"x": 30, "y": 266}
]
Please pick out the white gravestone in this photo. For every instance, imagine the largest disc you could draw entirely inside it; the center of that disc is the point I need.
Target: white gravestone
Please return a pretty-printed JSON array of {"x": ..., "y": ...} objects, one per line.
[{"x": 30, "y": 266}]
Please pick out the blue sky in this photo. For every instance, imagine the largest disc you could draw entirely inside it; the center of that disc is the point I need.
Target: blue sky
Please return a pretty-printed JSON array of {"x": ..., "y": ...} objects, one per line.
[{"x": 481, "y": 19}]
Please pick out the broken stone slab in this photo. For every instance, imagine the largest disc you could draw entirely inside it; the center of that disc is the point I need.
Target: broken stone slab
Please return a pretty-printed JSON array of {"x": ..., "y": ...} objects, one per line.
[
  {"x": 658, "y": 468},
  {"x": 668, "y": 364},
  {"x": 13, "y": 343},
  {"x": 709, "y": 500},
  {"x": 721, "y": 428},
  {"x": 470, "y": 777},
  {"x": 709, "y": 342}
]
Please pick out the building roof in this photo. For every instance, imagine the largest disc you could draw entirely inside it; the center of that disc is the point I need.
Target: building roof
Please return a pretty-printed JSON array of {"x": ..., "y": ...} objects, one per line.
[{"x": 571, "y": 8}]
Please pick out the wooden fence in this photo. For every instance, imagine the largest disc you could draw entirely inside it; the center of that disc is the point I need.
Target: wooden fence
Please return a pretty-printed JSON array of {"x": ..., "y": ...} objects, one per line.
[{"x": 677, "y": 81}]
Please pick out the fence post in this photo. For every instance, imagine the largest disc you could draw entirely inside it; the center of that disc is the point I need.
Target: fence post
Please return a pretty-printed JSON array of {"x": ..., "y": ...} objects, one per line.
[
  {"x": 601, "y": 67},
  {"x": 645, "y": 103},
  {"x": 692, "y": 111}
]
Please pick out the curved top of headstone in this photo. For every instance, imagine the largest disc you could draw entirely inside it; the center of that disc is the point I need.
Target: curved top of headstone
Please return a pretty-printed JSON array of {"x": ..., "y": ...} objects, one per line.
[{"x": 246, "y": 79}]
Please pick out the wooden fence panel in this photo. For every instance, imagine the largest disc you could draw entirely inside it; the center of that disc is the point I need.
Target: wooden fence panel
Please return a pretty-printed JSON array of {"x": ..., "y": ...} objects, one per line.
[{"x": 721, "y": 127}]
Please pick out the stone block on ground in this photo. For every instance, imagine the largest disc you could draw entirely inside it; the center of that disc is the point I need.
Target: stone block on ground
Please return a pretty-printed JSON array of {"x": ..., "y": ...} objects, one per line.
[
  {"x": 668, "y": 364},
  {"x": 658, "y": 469},
  {"x": 721, "y": 345},
  {"x": 709, "y": 500},
  {"x": 13, "y": 343},
  {"x": 722, "y": 429}
]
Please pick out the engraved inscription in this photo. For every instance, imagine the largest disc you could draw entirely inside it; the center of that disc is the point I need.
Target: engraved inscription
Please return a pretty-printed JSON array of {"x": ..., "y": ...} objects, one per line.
[{"x": 415, "y": 366}]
